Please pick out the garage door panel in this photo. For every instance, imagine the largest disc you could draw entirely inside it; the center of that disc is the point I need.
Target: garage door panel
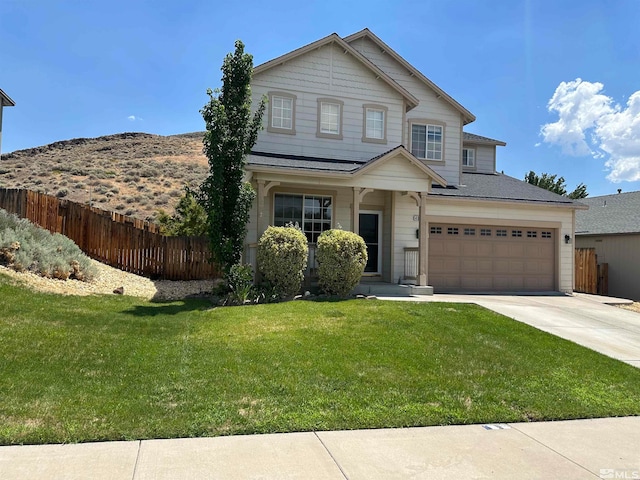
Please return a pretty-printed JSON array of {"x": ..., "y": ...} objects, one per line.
[
  {"x": 491, "y": 263},
  {"x": 469, "y": 249},
  {"x": 515, "y": 250},
  {"x": 452, "y": 248},
  {"x": 485, "y": 266},
  {"x": 469, "y": 265}
]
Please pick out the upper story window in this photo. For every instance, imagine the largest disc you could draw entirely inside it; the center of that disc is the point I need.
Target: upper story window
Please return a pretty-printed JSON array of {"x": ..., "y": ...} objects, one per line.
[
  {"x": 282, "y": 113},
  {"x": 468, "y": 157},
  {"x": 427, "y": 140},
  {"x": 374, "y": 126},
  {"x": 329, "y": 118}
]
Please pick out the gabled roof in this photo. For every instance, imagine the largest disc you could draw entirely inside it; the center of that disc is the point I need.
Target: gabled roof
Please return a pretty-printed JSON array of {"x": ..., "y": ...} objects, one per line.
[
  {"x": 610, "y": 214},
  {"x": 300, "y": 165},
  {"x": 402, "y": 151},
  {"x": 412, "y": 101},
  {"x": 466, "y": 114},
  {"x": 473, "y": 138},
  {"x": 500, "y": 187},
  {"x": 5, "y": 100}
]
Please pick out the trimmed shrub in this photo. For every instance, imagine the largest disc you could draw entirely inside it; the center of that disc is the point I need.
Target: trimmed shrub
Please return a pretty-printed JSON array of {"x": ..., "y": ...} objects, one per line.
[
  {"x": 282, "y": 258},
  {"x": 26, "y": 247},
  {"x": 341, "y": 258}
]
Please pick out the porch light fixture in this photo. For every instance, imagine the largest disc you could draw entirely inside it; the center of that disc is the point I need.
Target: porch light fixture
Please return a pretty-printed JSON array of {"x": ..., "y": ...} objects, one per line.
[{"x": 567, "y": 239}]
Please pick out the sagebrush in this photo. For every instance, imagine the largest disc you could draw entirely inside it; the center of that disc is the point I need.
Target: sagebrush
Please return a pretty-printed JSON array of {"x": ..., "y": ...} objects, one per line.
[{"x": 27, "y": 247}]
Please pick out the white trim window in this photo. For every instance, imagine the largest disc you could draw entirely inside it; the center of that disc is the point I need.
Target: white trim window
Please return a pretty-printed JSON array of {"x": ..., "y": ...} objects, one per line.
[
  {"x": 312, "y": 213},
  {"x": 469, "y": 157},
  {"x": 282, "y": 112},
  {"x": 375, "y": 123},
  {"x": 426, "y": 141},
  {"x": 330, "y": 118}
]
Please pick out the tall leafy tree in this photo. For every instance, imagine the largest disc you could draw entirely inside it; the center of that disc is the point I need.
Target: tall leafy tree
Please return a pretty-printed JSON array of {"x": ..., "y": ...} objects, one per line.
[
  {"x": 555, "y": 185},
  {"x": 231, "y": 132}
]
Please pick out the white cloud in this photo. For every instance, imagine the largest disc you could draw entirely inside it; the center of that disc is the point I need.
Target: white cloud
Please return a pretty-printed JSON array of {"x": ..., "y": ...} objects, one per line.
[
  {"x": 590, "y": 123},
  {"x": 133, "y": 118},
  {"x": 537, "y": 144}
]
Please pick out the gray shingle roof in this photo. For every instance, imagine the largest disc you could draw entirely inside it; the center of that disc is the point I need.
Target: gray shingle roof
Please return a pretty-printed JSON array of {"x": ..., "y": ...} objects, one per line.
[
  {"x": 487, "y": 186},
  {"x": 610, "y": 214},
  {"x": 472, "y": 137},
  {"x": 474, "y": 185},
  {"x": 312, "y": 164}
]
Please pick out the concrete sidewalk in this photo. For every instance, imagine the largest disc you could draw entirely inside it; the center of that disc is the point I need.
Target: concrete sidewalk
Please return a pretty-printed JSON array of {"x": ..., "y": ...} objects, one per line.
[{"x": 598, "y": 448}]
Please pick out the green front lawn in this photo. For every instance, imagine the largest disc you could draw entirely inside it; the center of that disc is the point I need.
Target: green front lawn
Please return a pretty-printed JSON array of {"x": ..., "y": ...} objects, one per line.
[{"x": 76, "y": 369}]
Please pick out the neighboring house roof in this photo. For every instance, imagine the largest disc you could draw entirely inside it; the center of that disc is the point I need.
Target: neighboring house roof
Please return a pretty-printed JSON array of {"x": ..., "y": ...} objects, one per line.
[
  {"x": 303, "y": 165},
  {"x": 500, "y": 187},
  {"x": 5, "y": 100},
  {"x": 473, "y": 138},
  {"x": 466, "y": 114},
  {"x": 412, "y": 101},
  {"x": 610, "y": 214}
]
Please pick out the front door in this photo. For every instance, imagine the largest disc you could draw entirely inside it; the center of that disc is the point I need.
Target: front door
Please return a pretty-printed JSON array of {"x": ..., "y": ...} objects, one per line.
[{"x": 371, "y": 232}]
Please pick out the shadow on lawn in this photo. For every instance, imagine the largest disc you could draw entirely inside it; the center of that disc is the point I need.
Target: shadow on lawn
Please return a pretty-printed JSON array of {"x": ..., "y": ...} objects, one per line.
[{"x": 169, "y": 308}]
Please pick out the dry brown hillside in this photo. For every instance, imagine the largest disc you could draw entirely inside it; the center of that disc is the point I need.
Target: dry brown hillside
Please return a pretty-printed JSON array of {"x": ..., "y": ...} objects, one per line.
[{"x": 132, "y": 173}]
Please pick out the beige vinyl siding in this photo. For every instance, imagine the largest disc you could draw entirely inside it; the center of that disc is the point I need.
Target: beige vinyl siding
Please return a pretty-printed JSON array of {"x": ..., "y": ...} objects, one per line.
[
  {"x": 430, "y": 107},
  {"x": 328, "y": 73},
  {"x": 622, "y": 253},
  {"x": 404, "y": 231},
  {"x": 485, "y": 158}
]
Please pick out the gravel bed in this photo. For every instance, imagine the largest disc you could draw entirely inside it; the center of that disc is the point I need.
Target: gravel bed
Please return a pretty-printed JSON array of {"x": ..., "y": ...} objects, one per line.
[{"x": 109, "y": 279}]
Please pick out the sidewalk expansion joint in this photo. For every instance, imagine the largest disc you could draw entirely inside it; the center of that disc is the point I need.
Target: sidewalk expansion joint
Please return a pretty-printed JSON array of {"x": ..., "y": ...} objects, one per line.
[
  {"x": 332, "y": 457},
  {"x": 135, "y": 467},
  {"x": 556, "y": 452}
]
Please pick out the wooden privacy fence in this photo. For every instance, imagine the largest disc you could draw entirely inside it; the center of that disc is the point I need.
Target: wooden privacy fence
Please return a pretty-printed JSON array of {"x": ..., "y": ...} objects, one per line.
[
  {"x": 126, "y": 243},
  {"x": 589, "y": 276}
]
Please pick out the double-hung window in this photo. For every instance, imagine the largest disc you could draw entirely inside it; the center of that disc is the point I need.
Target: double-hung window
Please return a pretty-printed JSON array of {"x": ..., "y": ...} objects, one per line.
[
  {"x": 375, "y": 124},
  {"x": 312, "y": 213},
  {"x": 282, "y": 113},
  {"x": 426, "y": 140},
  {"x": 329, "y": 118},
  {"x": 469, "y": 157}
]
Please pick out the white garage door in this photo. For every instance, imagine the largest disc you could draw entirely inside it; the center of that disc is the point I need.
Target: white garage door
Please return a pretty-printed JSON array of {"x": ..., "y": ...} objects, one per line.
[{"x": 489, "y": 258}]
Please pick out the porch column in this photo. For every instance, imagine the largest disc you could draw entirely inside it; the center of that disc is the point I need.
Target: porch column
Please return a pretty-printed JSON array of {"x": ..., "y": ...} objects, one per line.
[
  {"x": 355, "y": 221},
  {"x": 423, "y": 243},
  {"x": 263, "y": 217}
]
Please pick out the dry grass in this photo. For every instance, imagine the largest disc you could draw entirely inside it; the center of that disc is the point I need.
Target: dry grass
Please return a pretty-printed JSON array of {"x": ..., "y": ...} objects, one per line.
[
  {"x": 634, "y": 307},
  {"x": 132, "y": 173}
]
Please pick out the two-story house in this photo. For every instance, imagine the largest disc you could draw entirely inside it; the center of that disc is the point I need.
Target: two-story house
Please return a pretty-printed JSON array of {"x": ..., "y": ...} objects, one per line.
[
  {"x": 5, "y": 101},
  {"x": 357, "y": 138}
]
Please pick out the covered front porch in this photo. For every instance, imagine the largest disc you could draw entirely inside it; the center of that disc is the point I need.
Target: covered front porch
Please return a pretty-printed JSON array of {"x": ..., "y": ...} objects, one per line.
[{"x": 383, "y": 200}]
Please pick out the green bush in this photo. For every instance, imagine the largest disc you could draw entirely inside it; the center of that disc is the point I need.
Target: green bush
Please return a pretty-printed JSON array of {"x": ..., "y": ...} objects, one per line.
[
  {"x": 190, "y": 218},
  {"x": 341, "y": 258},
  {"x": 282, "y": 258},
  {"x": 240, "y": 282},
  {"x": 26, "y": 247}
]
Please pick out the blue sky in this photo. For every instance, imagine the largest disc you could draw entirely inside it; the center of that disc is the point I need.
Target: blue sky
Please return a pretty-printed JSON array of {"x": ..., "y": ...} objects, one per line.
[{"x": 551, "y": 78}]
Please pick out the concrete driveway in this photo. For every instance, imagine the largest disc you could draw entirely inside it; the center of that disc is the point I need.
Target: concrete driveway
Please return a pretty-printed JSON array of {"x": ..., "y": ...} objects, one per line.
[{"x": 583, "y": 319}]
